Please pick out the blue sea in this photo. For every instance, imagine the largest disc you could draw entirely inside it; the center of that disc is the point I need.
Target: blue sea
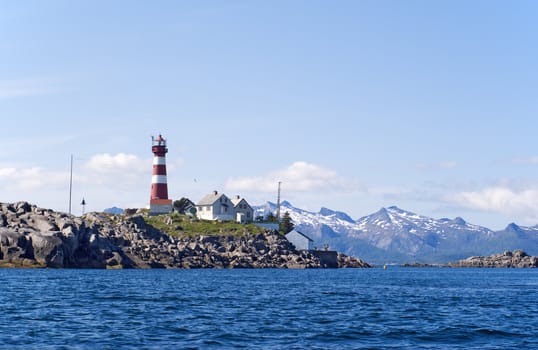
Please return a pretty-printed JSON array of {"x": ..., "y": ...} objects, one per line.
[{"x": 397, "y": 308}]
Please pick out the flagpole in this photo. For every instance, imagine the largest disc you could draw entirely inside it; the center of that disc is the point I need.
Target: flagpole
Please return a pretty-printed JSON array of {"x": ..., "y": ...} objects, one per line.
[{"x": 70, "y": 184}]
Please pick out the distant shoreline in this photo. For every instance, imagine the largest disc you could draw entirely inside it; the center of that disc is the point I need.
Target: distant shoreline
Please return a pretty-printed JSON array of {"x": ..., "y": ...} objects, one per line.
[{"x": 508, "y": 259}]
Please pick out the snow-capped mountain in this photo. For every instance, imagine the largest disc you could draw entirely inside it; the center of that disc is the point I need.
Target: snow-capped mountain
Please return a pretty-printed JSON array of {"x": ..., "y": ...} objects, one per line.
[{"x": 396, "y": 235}]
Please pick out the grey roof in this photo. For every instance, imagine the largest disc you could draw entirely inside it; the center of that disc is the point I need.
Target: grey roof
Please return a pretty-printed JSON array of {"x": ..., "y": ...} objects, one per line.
[
  {"x": 302, "y": 234},
  {"x": 236, "y": 201},
  {"x": 210, "y": 198}
]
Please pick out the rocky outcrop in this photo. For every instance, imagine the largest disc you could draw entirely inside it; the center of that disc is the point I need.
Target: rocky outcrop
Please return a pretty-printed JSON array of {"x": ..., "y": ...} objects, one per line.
[
  {"x": 517, "y": 258},
  {"x": 32, "y": 236},
  {"x": 345, "y": 261}
]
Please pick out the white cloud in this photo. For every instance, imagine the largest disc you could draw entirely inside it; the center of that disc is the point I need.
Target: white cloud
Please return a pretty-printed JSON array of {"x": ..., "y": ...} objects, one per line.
[
  {"x": 7, "y": 172},
  {"x": 103, "y": 180},
  {"x": 118, "y": 172},
  {"x": 298, "y": 177},
  {"x": 501, "y": 199},
  {"x": 26, "y": 87},
  {"x": 29, "y": 179},
  {"x": 120, "y": 163},
  {"x": 531, "y": 160}
]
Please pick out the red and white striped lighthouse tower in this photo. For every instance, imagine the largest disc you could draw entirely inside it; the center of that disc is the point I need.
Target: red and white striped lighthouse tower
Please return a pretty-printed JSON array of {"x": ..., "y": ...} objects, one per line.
[{"x": 159, "y": 202}]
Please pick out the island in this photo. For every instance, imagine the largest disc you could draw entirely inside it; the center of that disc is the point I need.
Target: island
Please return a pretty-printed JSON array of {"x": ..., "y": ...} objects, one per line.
[
  {"x": 517, "y": 259},
  {"x": 31, "y": 236}
]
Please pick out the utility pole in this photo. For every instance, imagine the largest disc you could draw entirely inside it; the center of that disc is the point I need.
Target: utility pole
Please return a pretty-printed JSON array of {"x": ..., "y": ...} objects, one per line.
[
  {"x": 278, "y": 203},
  {"x": 70, "y": 184}
]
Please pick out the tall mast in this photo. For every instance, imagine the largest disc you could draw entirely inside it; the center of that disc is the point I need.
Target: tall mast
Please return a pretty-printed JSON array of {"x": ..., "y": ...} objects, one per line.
[
  {"x": 70, "y": 184},
  {"x": 278, "y": 203}
]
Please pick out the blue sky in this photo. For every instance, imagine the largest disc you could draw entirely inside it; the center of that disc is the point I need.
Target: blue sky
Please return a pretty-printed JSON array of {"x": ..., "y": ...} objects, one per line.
[{"x": 353, "y": 105}]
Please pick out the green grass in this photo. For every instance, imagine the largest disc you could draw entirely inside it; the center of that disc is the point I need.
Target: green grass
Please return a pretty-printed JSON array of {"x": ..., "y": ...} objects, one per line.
[{"x": 178, "y": 225}]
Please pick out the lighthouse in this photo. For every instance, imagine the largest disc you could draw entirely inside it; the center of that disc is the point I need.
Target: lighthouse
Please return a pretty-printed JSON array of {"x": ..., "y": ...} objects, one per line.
[{"x": 159, "y": 202}]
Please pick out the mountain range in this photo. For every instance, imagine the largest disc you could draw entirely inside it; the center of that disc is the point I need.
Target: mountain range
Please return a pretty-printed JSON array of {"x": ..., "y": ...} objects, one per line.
[{"x": 394, "y": 235}]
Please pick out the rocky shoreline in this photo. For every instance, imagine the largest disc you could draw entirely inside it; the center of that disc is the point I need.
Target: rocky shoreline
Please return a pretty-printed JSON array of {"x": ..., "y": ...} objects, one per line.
[
  {"x": 35, "y": 237},
  {"x": 516, "y": 259}
]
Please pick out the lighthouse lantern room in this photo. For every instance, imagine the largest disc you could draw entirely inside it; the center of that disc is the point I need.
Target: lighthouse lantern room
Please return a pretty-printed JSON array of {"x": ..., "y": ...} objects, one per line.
[{"x": 159, "y": 202}]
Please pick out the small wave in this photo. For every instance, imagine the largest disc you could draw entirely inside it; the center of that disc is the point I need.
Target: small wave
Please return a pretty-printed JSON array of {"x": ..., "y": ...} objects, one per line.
[{"x": 496, "y": 333}]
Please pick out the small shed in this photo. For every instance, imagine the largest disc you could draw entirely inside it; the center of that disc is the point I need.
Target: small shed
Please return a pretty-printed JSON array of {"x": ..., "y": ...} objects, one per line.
[{"x": 300, "y": 240}]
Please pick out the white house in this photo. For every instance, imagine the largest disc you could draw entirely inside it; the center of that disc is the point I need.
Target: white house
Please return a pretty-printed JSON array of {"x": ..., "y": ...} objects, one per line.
[
  {"x": 217, "y": 206},
  {"x": 300, "y": 240},
  {"x": 243, "y": 211}
]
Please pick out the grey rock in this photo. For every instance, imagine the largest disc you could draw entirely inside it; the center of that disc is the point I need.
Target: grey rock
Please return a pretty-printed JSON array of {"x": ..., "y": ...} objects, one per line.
[
  {"x": 47, "y": 250},
  {"x": 345, "y": 261},
  {"x": 41, "y": 224},
  {"x": 516, "y": 259}
]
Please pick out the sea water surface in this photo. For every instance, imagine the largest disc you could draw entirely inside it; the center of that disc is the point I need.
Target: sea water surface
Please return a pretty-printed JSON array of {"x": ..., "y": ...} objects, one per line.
[{"x": 397, "y": 308}]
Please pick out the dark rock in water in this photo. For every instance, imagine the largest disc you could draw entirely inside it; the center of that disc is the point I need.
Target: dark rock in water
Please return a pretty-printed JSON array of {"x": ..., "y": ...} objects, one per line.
[
  {"x": 419, "y": 265},
  {"x": 517, "y": 258},
  {"x": 32, "y": 236},
  {"x": 345, "y": 261}
]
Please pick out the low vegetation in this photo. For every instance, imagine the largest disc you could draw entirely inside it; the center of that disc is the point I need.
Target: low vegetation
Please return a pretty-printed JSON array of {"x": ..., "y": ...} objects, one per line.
[{"x": 180, "y": 225}]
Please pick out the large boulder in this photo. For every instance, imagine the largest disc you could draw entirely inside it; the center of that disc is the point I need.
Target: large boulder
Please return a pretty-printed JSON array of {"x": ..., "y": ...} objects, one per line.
[
  {"x": 47, "y": 250},
  {"x": 42, "y": 224}
]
